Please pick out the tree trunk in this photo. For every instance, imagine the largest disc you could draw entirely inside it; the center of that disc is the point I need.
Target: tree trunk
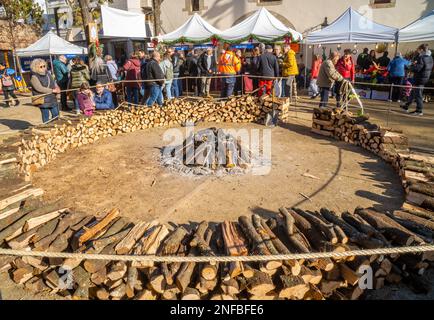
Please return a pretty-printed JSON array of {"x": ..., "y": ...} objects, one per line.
[{"x": 157, "y": 16}]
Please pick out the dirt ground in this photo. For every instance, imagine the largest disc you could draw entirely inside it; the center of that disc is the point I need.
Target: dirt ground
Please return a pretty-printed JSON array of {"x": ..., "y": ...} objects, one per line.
[{"x": 124, "y": 172}]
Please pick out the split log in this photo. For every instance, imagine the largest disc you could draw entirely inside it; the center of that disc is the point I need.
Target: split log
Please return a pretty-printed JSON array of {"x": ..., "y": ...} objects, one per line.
[
  {"x": 149, "y": 244},
  {"x": 33, "y": 192},
  {"x": 126, "y": 244},
  {"x": 88, "y": 233},
  {"x": 235, "y": 245},
  {"x": 37, "y": 221},
  {"x": 132, "y": 277},
  {"x": 171, "y": 246},
  {"x": 260, "y": 284},
  {"x": 62, "y": 226},
  {"x": 293, "y": 287}
]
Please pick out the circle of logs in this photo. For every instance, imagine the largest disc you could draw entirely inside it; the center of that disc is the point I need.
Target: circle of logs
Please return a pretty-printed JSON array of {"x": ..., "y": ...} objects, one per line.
[{"x": 291, "y": 230}]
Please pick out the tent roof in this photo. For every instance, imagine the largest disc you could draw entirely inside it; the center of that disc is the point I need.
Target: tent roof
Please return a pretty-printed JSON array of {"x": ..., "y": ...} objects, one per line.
[
  {"x": 352, "y": 27},
  {"x": 123, "y": 24},
  {"x": 420, "y": 30},
  {"x": 50, "y": 44},
  {"x": 195, "y": 29},
  {"x": 263, "y": 26}
]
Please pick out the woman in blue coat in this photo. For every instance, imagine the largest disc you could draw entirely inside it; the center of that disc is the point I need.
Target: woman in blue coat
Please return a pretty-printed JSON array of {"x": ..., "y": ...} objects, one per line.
[{"x": 103, "y": 98}]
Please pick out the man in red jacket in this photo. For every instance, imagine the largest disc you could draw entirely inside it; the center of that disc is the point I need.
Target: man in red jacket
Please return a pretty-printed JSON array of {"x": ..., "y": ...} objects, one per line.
[{"x": 347, "y": 69}]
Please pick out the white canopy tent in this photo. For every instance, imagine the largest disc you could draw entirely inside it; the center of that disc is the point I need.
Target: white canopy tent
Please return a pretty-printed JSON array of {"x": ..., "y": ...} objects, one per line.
[
  {"x": 121, "y": 23},
  {"x": 420, "y": 30},
  {"x": 195, "y": 29},
  {"x": 261, "y": 26},
  {"x": 352, "y": 27},
  {"x": 48, "y": 45}
]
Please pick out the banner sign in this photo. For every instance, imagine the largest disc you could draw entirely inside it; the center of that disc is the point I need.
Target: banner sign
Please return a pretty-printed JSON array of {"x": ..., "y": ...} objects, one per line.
[{"x": 243, "y": 46}]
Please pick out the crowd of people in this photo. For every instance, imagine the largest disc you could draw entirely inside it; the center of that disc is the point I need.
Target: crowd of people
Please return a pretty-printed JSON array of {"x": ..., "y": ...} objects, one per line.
[
  {"x": 156, "y": 77},
  {"x": 329, "y": 75}
]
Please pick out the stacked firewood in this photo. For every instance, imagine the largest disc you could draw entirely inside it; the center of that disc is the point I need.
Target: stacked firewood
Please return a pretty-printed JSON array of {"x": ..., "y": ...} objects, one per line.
[
  {"x": 291, "y": 231},
  {"x": 417, "y": 174},
  {"x": 416, "y": 171},
  {"x": 44, "y": 145}
]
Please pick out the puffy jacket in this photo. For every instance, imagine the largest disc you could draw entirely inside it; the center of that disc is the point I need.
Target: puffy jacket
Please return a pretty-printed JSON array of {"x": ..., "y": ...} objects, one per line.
[
  {"x": 346, "y": 68},
  {"x": 268, "y": 66},
  {"x": 315, "y": 68},
  {"x": 132, "y": 68},
  {"x": 423, "y": 67},
  {"x": 290, "y": 67},
  {"x": 154, "y": 72},
  {"x": 60, "y": 71},
  {"x": 86, "y": 103},
  {"x": 105, "y": 101},
  {"x": 328, "y": 74},
  {"x": 229, "y": 63},
  {"x": 79, "y": 74},
  {"x": 397, "y": 66}
]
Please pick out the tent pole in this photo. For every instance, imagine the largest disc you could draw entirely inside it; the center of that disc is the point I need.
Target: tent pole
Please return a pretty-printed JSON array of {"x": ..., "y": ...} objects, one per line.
[
  {"x": 51, "y": 62},
  {"x": 396, "y": 48},
  {"x": 305, "y": 64}
]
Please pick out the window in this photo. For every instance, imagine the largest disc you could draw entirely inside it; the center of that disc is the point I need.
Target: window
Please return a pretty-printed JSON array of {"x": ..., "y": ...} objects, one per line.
[
  {"x": 382, "y": 3},
  {"x": 268, "y": 2},
  {"x": 195, "y": 5}
]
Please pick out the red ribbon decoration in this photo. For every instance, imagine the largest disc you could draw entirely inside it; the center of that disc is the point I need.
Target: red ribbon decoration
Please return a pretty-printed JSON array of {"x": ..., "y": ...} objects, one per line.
[
  {"x": 214, "y": 41},
  {"x": 155, "y": 42},
  {"x": 250, "y": 39},
  {"x": 287, "y": 40}
]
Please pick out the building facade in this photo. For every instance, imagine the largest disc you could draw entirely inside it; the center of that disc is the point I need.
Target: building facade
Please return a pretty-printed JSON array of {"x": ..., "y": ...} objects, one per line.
[{"x": 301, "y": 15}]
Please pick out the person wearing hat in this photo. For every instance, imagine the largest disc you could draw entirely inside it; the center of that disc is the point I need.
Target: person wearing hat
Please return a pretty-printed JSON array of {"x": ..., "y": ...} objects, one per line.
[
  {"x": 229, "y": 66},
  {"x": 268, "y": 68},
  {"x": 7, "y": 85}
]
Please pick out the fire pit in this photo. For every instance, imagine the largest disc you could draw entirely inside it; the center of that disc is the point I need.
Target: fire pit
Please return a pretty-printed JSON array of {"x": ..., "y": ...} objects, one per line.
[{"x": 217, "y": 152}]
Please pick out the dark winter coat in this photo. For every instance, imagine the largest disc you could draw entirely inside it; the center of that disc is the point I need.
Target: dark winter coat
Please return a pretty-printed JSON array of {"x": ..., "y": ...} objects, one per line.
[
  {"x": 268, "y": 65},
  {"x": 154, "y": 72},
  {"x": 203, "y": 65},
  {"x": 423, "y": 68}
]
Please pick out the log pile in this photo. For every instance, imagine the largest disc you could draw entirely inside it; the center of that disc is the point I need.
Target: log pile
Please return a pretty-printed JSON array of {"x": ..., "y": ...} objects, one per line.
[
  {"x": 416, "y": 171},
  {"x": 44, "y": 145},
  {"x": 290, "y": 231},
  {"x": 211, "y": 151}
]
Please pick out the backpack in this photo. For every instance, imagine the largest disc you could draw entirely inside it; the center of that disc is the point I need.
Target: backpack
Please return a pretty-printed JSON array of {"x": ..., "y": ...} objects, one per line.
[{"x": 7, "y": 81}]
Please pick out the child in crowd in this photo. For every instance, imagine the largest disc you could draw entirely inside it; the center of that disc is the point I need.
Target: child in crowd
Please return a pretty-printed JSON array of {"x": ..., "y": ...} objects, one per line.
[{"x": 86, "y": 99}]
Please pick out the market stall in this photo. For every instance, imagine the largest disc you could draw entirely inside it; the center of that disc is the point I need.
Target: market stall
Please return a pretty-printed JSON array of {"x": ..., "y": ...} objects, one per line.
[
  {"x": 45, "y": 48},
  {"x": 194, "y": 30},
  {"x": 262, "y": 26},
  {"x": 353, "y": 27},
  {"x": 418, "y": 31}
]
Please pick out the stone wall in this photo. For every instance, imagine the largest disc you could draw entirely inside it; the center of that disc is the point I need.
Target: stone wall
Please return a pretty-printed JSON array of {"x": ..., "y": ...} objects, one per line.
[{"x": 24, "y": 35}]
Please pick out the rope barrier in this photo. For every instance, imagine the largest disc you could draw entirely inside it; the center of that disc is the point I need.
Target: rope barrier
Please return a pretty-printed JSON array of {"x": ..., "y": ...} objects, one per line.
[
  {"x": 199, "y": 77},
  {"x": 202, "y": 259}
]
